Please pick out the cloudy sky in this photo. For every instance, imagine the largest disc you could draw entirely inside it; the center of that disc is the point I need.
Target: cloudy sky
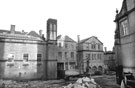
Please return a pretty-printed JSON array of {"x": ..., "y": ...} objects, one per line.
[{"x": 75, "y": 17}]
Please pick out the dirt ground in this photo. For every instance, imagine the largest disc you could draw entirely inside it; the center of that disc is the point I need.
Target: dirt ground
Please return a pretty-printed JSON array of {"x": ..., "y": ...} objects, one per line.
[{"x": 107, "y": 81}]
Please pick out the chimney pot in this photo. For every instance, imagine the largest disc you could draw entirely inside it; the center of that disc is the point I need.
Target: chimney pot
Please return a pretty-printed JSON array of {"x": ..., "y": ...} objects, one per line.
[
  {"x": 12, "y": 29},
  {"x": 40, "y": 32},
  {"x": 22, "y": 31},
  {"x": 105, "y": 49}
]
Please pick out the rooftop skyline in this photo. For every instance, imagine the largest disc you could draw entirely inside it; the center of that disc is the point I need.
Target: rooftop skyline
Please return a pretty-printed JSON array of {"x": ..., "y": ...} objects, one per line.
[{"x": 75, "y": 17}]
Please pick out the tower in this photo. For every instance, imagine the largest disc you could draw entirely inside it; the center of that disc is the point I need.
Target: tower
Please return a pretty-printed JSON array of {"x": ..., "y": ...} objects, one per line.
[
  {"x": 51, "y": 49},
  {"x": 51, "y": 30}
]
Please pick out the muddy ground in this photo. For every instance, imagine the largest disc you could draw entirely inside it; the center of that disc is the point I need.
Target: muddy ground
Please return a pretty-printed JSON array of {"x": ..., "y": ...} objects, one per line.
[{"x": 105, "y": 81}]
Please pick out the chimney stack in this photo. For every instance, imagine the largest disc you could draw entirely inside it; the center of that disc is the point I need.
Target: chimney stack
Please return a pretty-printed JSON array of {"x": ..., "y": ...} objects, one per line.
[
  {"x": 105, "y": 49},
  {"x": 40, "y": 32},
  {"x": 78, "y": 36},
  {"x": 22, "y": 31},
  {"x": 12, "y": 29}
]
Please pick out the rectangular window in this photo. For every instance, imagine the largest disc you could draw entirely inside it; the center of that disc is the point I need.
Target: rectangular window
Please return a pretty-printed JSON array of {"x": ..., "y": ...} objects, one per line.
[
  {"x": 66, "y": 55},
  {"x": 92, "y": 56},
  {"x": 66, "y": 45},
  {"x": 86, "y": 56},
  {"x": 72, "y": 46},
  {"x": 124, "y": 27},
  {"x": 72, "y": 55},
  {"x": 99, "y": 46},
  {"x": 87, "y": 46},
  {"x": 10, "y": 57},
  {"x": 100, "y": 56},
  {"x": 89, "y": 56},
  {"x": 93, "y": 46},
  {"x": 59, "y": 55},
  {"x": 39, "y": 57},
  {"x": 25, "y": 57},
  {"x": 66, "y": 66},
  {"x": 60, "y": 45}
]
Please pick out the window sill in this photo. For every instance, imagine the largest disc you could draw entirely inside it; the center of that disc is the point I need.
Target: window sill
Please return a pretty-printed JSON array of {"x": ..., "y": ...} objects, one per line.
[
  {"x": 10, "y": 64},
  {"x": 25, "y": 64}
]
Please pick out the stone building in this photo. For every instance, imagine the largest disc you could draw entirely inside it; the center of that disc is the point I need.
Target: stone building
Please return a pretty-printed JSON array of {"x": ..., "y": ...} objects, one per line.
[
  {"x": 27, "y": 55},
  {"x": 66, "y": 53},
  {"x": 125, "y": 40},
  {"x": 91, "y": 55},
  {"x": 109, "y": 60}
]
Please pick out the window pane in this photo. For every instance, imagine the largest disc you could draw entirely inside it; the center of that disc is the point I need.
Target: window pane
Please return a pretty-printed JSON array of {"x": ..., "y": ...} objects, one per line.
[
  {"x": 66, "y": 55},
  {"x": 98, "y": 46},
  {"x": 66, "y": 45},
  {"x": 25, "y": 57},
  {"x": 39, "y": 56},
  {"x": 72, "y": 55},
  {"x": 10, "y": 57},
  {"x": 59, "y": 55}
]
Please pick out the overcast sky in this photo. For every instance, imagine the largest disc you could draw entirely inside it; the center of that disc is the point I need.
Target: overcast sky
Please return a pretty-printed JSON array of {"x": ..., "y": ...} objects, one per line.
[{"x": 75, "y": 17}]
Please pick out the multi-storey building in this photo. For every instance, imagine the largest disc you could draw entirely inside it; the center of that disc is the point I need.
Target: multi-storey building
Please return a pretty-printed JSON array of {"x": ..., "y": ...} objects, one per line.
[
  {"x": 66, "y": 53},
  {"x": 22, "y": 54},
  {"x": 109, "y": 60},
  {"x": 125, "y": 43},
  {"x": 91, "y": 55},
  {"x": 27, "y": 55}
]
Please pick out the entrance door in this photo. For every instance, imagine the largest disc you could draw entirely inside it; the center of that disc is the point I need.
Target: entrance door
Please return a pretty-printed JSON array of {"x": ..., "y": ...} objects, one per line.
[{"x": 60, "y": 70}]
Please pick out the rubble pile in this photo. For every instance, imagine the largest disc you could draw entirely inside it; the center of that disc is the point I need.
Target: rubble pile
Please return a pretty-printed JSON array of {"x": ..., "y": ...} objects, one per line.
[{"x": 84, "y": 82}]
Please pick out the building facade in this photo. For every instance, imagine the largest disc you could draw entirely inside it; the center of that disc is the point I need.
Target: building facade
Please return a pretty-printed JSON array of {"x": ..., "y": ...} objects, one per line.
[
  {"x": 27, "y": 55},
  {"x": 67, "y": 59},
  {"x": 124, "y": 40},
  {"x": 91, "y": 55},
  {"x": 109, "y": 61}
]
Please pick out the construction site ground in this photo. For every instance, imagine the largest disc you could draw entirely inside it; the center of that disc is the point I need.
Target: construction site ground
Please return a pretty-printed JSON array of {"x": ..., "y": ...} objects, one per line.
[{"x": 104, "y": 81}]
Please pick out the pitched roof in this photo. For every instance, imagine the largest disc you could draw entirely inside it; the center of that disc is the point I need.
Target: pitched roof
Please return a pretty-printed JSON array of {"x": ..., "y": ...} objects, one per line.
[
  {"x": 123, "y": 10},
  {"x": 68, "y": 39},
  {"x": 84, "y": 40},
  {"x": 20, "y": 35},
  {"x": 16, "y": 32},
  {"x": 59, "y": 36},
  {"x": 65, "y": 38},
  {"x": 34, "y": 34}
]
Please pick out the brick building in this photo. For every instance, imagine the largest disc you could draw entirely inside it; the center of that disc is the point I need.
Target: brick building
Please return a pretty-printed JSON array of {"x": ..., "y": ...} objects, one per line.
[{"x": 91, "y": 55}]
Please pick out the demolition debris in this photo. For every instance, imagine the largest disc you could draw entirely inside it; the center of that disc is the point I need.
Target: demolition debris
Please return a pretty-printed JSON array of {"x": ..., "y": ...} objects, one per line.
[{"x": 84, "y": 82}]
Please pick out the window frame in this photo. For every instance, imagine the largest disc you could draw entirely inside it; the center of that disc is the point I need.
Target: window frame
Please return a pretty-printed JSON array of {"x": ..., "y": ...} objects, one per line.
[
  {"x": 59, "y": 55},
  {"x": 9, "y": 58},
  {"x": 26, "y": 59},
  {"x": 72, "y": 55},
  {"x": 39, "y": 57},
  {"x": 124, "y": 30}
]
